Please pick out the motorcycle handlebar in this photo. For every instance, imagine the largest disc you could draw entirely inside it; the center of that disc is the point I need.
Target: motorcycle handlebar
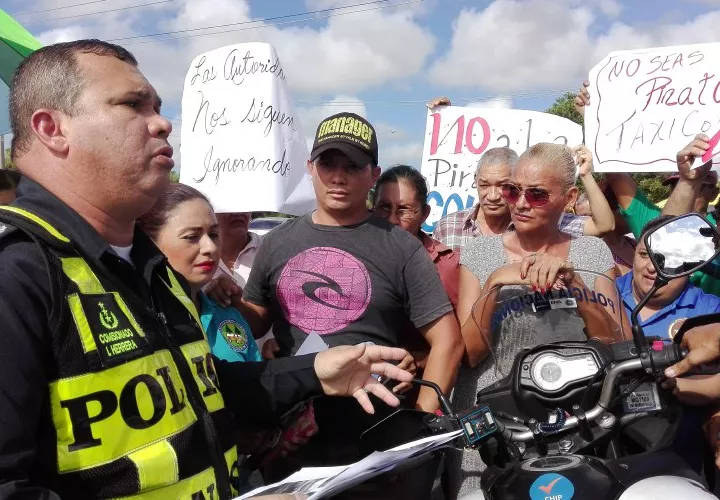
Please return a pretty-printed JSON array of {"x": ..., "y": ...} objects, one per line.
[
  {"x": 663, "y": 355},
  {"x": 606, "y": 396}
]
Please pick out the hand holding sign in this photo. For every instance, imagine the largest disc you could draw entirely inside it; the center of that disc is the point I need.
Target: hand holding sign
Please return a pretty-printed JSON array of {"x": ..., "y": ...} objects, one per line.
[
  {"x": 584, "y": 161},
  {"x": 582, "y": 98},
  {"x": 686, "y": 159}
]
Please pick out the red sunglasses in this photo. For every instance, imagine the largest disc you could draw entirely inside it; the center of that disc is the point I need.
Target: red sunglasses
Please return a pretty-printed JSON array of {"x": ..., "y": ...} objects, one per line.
[{"x": 536, "y": 197}]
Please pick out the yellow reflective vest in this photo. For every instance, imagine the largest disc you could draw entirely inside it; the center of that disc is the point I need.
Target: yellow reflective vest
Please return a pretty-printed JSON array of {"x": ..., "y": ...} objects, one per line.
[{"x": 133, "y": 392}]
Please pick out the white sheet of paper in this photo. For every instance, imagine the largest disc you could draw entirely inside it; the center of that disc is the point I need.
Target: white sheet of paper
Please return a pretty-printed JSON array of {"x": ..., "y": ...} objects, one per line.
[
  {"x": 312, "y": 345},
  {"x": 648, "y": 104},
  {"x": 321, "y": 481},
  {"x": 381, "y": 461},
  {"x": 309, "y": 475}
]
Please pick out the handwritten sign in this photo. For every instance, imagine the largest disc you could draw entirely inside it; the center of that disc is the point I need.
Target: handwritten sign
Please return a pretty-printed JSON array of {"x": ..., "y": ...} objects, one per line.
[
  {"x": 242, "y": 143},
  {"x": 646, "y": 105},
  {"x": 456, "y": 137}
]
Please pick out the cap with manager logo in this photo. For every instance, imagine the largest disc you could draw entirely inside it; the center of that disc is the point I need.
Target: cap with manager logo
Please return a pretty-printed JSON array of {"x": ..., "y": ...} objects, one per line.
[{"x": 351, "y": 134}]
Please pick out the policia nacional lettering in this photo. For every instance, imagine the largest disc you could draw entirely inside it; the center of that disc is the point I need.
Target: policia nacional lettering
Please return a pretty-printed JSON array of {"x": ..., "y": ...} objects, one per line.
[
  {"x": 136, "y": 407},
  {"x": 518, "y": 305}
]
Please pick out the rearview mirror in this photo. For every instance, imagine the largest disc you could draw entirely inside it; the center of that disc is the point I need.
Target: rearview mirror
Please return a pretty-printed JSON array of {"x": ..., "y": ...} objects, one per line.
[{"x": 682, "y": 245}]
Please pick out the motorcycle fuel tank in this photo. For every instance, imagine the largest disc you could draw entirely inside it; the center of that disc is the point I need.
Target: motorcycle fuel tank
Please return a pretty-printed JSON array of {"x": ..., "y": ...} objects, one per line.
[{"x": 563, "y": 477}]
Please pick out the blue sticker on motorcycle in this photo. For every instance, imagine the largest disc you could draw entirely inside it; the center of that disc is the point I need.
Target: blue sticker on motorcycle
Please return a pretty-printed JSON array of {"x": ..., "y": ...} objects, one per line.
[{"x": 552, "y": 487}]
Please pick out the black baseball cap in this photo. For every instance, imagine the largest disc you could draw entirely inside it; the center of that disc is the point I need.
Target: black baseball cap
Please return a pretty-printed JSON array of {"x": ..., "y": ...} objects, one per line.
[{"x": 349, "y": 133}]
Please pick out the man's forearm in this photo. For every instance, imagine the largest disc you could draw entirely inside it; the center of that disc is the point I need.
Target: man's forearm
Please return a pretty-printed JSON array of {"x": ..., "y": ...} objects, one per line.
[
  {"x": 441, "y": 368},
  {"x": 682, "y": 199}
]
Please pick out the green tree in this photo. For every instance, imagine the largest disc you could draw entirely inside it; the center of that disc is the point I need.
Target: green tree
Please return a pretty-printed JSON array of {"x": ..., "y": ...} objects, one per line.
[
  {"x": 650, "y": 184},
  {"x": 8, "y": 162},
  {"x": 564, "y": 106},
  {"x": 174, "y": 176}
]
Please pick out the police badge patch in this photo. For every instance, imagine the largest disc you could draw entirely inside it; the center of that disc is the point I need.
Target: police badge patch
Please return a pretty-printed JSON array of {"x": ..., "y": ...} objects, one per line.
[{"x": 235, "y": 335}]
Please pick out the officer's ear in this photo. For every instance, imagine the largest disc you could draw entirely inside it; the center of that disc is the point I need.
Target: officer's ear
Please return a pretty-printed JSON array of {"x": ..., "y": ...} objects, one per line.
[{"x": 47, "y": 125}]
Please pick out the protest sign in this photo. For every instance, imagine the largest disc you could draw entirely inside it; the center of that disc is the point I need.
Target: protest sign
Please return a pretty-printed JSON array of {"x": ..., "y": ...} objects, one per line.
[
  {"x": 456, "y": 137},
  {"x": 646, "y": 105},
  {"x": 242, "y": 143}
]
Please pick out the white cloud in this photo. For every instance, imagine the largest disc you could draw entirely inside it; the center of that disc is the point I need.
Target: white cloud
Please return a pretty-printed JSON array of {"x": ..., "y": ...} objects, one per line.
[
  {"x": 405, "y": 154},
  {"x": 348, "y": 54},
  {"x": 311, "y": 116},
  {"x": 494, "y": 103},
  {"x": 354, "y": 52},
  {"x": 344, "y": 55},
  {"x": 65, "y": 34},
  {"x": 610, "y": 8},
  {"x": 416, "y": 7},
  {"x": 514, "y": 46},
  {"x": 683, "y": 244}
]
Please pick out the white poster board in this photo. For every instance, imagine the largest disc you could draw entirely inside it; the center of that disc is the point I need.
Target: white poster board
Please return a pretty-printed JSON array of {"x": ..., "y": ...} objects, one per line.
[
  {"x": 242, "y": 143},
  {"x": 456, "y": 137},
  {"x": 646, "y": 105}
]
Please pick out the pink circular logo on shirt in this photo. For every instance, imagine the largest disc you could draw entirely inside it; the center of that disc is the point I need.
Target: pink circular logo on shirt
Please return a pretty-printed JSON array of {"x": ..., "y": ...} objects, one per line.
[{"x": 323, "y": 290}]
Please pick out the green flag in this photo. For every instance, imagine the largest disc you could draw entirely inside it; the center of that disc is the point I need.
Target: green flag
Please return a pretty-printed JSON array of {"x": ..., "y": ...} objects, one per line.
[{"x": 16, "y": 43}]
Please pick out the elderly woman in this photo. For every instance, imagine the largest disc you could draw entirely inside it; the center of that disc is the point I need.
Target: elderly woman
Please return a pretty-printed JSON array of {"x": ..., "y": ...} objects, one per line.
[
  {"x": 400, "y": 196},
  {"x": 535, "y": 255}
]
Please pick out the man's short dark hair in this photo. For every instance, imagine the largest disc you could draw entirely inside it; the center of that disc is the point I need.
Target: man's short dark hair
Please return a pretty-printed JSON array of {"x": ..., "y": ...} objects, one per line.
[{"x": 50, "y": 77}]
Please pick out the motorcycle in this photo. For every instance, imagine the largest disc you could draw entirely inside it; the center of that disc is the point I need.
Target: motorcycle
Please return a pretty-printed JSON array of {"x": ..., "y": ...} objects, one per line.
[{"x": 573, "y": 407}]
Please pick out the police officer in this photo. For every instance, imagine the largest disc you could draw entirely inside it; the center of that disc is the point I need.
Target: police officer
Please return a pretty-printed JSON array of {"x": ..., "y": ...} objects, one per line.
[{"x": 107, "y": 384}]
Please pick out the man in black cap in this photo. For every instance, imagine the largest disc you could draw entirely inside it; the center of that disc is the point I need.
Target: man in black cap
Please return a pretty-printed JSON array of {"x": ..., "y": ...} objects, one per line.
[{"x": 342, "y": 275}]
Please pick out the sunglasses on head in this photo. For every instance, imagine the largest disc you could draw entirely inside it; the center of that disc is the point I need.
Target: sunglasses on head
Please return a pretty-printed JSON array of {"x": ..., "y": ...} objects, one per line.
[{"x": 536, "y": 197}]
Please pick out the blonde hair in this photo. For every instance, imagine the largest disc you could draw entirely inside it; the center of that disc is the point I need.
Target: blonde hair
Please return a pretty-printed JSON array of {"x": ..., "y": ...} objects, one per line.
[{"x": 560, "y": 158}]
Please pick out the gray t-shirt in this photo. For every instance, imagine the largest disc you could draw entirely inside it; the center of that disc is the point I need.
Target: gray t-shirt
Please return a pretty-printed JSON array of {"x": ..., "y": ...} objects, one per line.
[
  {"x": 349, "y": 284},
  {"x": 482, "y": 257}
]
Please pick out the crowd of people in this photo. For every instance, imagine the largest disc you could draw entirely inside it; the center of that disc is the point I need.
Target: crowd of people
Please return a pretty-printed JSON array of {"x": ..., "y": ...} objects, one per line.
[{"x": 112, "y": 278}]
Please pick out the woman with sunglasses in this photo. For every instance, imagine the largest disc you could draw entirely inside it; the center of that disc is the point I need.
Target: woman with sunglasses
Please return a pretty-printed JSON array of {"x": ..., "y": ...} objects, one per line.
[{"x": 533, "y": 255}]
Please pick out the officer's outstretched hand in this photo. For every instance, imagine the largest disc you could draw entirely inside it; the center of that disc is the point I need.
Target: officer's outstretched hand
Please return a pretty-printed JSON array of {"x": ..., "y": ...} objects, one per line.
[{"x": 348, "y": 370}]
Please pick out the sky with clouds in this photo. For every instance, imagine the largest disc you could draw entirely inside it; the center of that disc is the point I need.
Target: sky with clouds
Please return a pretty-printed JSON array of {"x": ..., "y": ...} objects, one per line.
[{"x": 384, "y": 59}]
